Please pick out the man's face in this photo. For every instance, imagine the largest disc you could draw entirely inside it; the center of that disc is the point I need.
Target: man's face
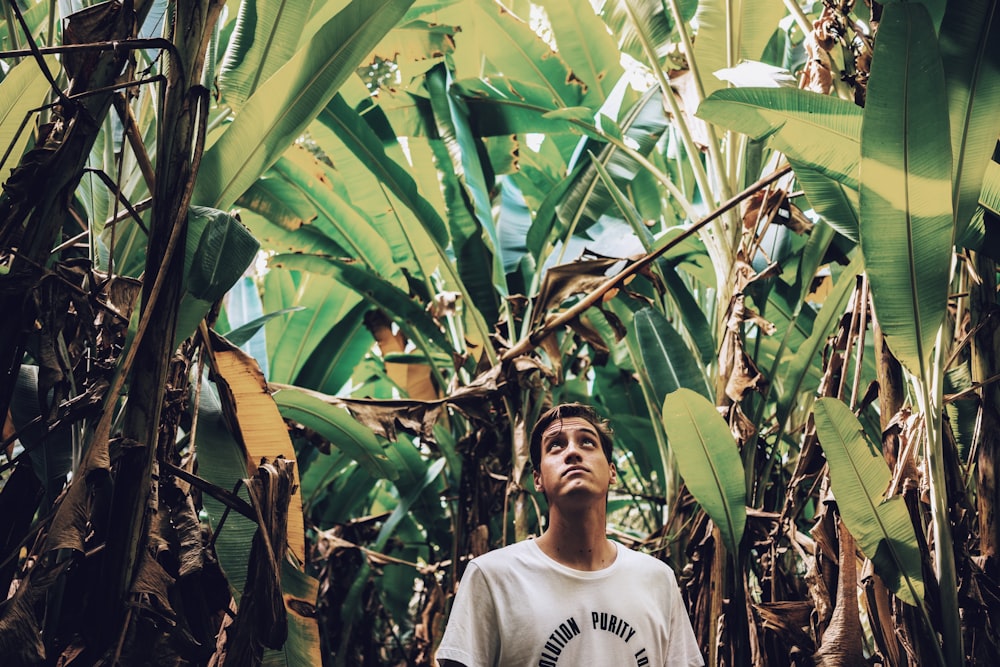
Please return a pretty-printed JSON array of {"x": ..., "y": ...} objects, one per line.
[{"x": 572, "y": 462}]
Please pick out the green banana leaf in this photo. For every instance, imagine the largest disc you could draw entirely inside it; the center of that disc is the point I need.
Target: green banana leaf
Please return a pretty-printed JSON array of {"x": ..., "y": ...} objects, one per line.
[
  {"x": 970, "y": 50},
  {"x": 417, "y": 225},
  {"x": 22, "y": 91},
  {"x": 321, "y": 304},
  {"x": 265, "y": 36},
  {"x": 338, "y": 426},
  {"x": 667, "y": 362},
  {"x": 290, "y": 99},
  {"x": 34, "y": 15},
  {"x": 415, "y": 322},
  {"x": 352, "y": 610},
  {"x": 336, "y": 217},
  {"x": 474, "y": 235},
  {"x": 819, "y": 131},
  {"x": 222, "y": 462},
  {"x": 279, "y": 201},
  {"x": 790, "y": 372},
  {"x": 587, "y": 47},
  {"x": 643, "y": 26},
  {"x": 747, "y": 26},
  {"x": 493, "y": 35},
  {"x": 585, "y": 197},
  {"x": 906, "y": 207},
  {"x": 859, "y": 477},
  {"x": 218, "y": 250},
  {"x": 837, "y": 203},
  {"x": 51, "y": 453},
  {"x": 332, "y": 362},
  {"x": 691, "y": 314},
  {"x": 708, "y": 460},
  {"x": 276, "y": 238},
  {"x": 989, "y": 197}
]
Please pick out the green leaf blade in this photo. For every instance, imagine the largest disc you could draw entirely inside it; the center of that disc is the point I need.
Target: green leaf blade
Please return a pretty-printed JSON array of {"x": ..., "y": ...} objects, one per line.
[
  {"x": 906, "y": 226},
  {"x": 708, "y": 460},
  {"x": 859, "y": 478},
  {"x": 339, "y": 427}
]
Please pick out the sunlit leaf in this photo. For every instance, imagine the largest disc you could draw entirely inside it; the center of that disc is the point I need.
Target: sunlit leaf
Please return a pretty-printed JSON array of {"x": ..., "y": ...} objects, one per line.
[{"x": 906, "y": 206}]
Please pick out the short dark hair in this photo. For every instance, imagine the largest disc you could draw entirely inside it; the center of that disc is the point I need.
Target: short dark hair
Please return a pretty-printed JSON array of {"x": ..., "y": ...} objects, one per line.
[{"x": 565, "y": 411}]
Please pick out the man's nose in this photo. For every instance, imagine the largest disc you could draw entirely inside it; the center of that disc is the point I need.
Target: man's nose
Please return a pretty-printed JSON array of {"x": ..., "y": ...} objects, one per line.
[{"x": 572, "y": 451}]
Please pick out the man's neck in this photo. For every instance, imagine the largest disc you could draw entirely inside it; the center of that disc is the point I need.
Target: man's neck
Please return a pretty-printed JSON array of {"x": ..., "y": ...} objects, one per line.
[{"x": 578, "y": 542}]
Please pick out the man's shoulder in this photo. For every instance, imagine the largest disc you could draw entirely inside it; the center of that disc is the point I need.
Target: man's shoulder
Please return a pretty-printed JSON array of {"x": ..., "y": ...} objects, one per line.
[
  {"x": 505, "y": 556},
  {"x": 641, "y": 559}
]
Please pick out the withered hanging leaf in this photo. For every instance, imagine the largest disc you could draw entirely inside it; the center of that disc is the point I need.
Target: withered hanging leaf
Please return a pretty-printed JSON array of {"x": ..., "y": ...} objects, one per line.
[
  {"x": 790, "y": 619},
  {"x": 69, "y": 526},
  {"x": 20, "y": 630},
  {"x": 103, "y": 22},
  {"x": 773, "y": 205},
  {"x": 565, "y": 280},
  {"x": 152, "y": 585},
  {"x": 735, "y": 364},
  {"x": 256, "y": 421},
  {"x": 550, "y": 345},
  {"x": 586, "y": 331}
]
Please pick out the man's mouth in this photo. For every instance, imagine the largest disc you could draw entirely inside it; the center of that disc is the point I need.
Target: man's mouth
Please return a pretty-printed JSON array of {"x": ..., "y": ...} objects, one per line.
[{"x": 574, "y": 469}]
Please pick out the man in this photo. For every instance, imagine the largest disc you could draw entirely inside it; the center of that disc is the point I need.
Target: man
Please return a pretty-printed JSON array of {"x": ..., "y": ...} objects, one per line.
[{"x": 572, "y": 597}]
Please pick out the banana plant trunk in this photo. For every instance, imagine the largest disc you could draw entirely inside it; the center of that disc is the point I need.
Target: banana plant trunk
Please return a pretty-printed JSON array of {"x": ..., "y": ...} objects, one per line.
[{"x": 180, "y": 141}]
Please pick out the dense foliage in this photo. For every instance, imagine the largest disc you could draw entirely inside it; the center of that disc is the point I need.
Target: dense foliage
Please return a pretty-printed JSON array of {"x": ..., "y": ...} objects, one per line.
[{"x": 287, "y": 284}]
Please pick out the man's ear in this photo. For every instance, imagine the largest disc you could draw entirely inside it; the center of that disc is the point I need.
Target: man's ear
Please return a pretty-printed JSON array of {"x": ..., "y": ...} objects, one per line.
[
  {"x": 614, "y": 473},
  {"x": 538, "y": 480}
]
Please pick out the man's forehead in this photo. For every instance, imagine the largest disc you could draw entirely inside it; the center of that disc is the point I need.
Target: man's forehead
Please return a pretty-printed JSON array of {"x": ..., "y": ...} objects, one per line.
[{"x": 566, "y": 424}]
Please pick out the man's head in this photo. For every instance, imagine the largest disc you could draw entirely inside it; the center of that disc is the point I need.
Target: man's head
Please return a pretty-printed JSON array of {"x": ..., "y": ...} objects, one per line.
[{"x": 565, "y": 411}]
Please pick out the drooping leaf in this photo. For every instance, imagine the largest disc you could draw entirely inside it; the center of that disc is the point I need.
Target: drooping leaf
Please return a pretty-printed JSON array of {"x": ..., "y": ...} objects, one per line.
[
  {"x": 219, "y": 249},
  {"x": 859, "y": 479},
  {"x": 820, "y": 131},
  {"x": 337, "y": 426},
  {"x": 708, "y": 459},
  {"x": 262, "y": 431}
]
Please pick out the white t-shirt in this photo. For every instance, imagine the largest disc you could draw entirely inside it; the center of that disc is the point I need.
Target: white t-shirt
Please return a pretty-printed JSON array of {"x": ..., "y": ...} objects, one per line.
[{"x": 516, "y": 607}]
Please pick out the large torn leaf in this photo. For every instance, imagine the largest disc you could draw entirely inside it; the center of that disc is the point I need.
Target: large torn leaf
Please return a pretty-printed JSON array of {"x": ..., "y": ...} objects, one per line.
[{"x": 254, "y": 417}]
